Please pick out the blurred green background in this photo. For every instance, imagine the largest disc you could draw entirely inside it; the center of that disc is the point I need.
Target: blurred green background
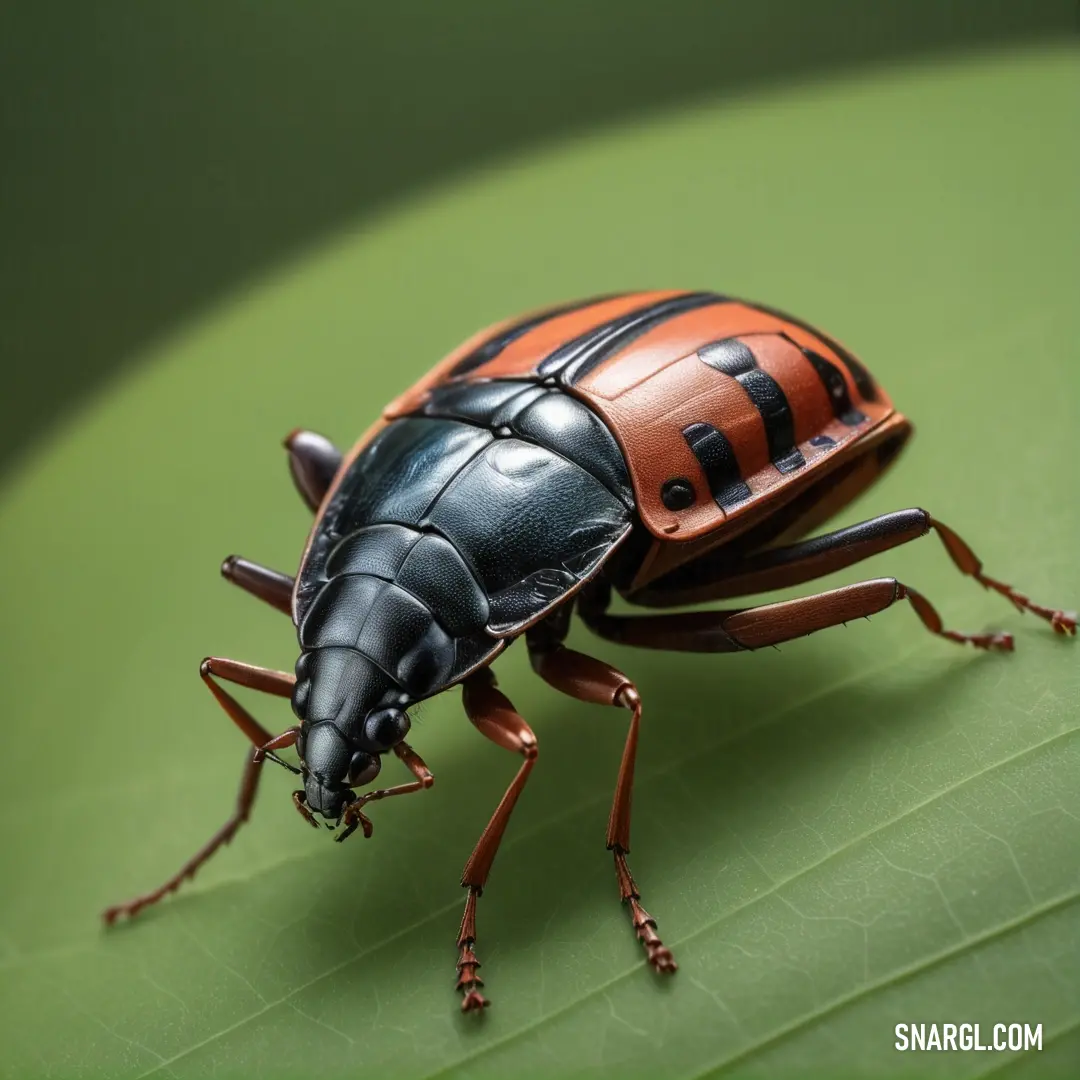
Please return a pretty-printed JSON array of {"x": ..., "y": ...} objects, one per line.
[
  {"x": 157, "y": 156},
  {"x": 867, "y": 827}
]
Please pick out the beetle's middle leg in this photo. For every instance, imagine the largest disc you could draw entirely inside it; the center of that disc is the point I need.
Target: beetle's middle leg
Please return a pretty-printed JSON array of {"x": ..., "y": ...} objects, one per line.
[
  {"x": 587, "y": 679},
  {"x": 495, "y": 717},
  {"x": 313, "y": 461},
  {"x": 271, "y": 586}
]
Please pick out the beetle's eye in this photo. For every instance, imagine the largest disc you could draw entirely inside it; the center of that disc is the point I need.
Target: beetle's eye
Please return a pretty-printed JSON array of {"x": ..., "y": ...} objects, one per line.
[
  {"x": 300, "y": 694},
  {"x": 363, "y": 768},
  {"x": 385, "y": 728}
]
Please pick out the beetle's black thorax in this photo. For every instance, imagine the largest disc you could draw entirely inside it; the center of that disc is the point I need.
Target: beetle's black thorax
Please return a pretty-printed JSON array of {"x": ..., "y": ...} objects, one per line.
[{"x": 448, "y": 533}]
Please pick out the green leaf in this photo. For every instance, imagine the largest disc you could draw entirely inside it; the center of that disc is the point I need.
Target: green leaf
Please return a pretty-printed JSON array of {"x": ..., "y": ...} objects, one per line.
[{"x": 869, "y": 827}]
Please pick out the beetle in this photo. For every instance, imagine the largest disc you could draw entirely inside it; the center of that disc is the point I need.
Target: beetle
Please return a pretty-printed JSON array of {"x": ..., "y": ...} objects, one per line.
[{"x": 672, "y": 446}]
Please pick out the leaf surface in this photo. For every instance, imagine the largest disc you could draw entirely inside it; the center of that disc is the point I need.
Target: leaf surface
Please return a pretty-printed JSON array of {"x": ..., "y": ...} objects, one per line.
[{"x": 865, "y": 828}]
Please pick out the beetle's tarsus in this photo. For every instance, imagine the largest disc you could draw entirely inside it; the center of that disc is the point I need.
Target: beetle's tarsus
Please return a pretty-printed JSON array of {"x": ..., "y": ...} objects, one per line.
[
  {"x": 354, "y": 819},
  {"x": 469, "y": 982},
  {"x": 656, "y": 952},
  {"x": 1063, "y": 622},
  {"x": 999, "y": 641},
  {"x": 474, "y": 1001},
  {"x": 298, "y": 798}
]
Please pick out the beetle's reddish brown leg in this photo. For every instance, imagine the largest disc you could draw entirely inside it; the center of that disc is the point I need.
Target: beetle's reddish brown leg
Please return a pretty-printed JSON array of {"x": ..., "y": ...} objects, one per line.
[
  {"x": 1064, "y": 622},
  {"x": 313, "y": 462},
  {"x": 270, "y": 586},
  {"x": 496, "y": 718},
  {"x": 255, "y": 678},
  {"x": 593, "y": 681},
  {"x": 771, "y": 624},
  {"x": 722, "y": 575},
  {"x": 353, "y": 815}
]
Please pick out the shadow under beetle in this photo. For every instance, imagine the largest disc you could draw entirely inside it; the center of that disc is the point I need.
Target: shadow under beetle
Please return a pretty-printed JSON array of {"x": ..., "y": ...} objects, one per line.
[{"x": 674, "y": 446}]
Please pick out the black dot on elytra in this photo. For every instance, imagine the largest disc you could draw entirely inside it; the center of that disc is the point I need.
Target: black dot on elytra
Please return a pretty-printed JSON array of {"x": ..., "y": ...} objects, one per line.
[{"x": 677, "y": 493}]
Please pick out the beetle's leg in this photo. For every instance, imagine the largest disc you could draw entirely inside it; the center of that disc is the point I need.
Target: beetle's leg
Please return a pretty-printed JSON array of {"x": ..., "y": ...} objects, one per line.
[
  {"x": 313, "y": 462},
  {"x": 495, "y": 717},
  {"x": 299, "y": 800},
  {"x": 255, "y": 678},
  {"x": 591, "y": 680},
  {"x": 1064, "y": 622},
  {"x": 753, "y": 628},
  {"x": 272, "y": 586},
  {"x": 722, "y": 574},
  {"x": 415, "y": 764}
]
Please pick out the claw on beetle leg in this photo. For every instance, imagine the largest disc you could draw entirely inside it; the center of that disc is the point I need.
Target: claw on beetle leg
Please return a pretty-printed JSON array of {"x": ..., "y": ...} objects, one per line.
[
  {"x": 351, "y": 815},
  {"x": 354, "y": 818},
  {"x": 469, "y": 982}
]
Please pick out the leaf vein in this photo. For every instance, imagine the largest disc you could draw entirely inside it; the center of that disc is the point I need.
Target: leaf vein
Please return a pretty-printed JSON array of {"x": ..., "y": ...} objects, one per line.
[{"x": 893, "y": 979}]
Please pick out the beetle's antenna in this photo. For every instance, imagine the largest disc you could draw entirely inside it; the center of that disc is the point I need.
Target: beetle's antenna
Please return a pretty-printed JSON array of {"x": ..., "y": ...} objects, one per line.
[{"x": 284, "y": 764}]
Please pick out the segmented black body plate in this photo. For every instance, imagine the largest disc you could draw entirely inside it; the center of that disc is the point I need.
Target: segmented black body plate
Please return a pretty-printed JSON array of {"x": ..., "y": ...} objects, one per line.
[{"x": 457, "y": 527}]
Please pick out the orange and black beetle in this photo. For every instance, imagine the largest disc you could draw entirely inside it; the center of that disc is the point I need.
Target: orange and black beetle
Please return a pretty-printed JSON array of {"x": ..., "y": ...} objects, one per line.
[{"x": 675, "y": 446}]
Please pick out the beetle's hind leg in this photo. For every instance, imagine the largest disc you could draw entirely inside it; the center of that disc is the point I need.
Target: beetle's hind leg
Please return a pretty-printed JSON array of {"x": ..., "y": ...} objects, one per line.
[
  {"x": 722, "y": 575},
  {"x": 771, "y": 624},
  {"x": 967, "y": 562},
  {"x": 313, "y": 461}
]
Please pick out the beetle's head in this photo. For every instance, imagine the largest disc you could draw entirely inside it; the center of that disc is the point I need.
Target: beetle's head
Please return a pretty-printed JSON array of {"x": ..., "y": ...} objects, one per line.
[
  {"x": 334, "y": 763},
  {"x": 351, "y": 714}
]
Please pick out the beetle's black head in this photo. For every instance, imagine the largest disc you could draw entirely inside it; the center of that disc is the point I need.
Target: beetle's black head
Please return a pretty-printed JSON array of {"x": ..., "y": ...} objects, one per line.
[
  {"x": 351, "y": 715},
  {"x": 334, "y": 763}
]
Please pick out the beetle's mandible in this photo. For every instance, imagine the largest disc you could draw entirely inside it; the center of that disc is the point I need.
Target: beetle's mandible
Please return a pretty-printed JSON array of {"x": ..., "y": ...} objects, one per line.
[{"x": 675, "y": 446}]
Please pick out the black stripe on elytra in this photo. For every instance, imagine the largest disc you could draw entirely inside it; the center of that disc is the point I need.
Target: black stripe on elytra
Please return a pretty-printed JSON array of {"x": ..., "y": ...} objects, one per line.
[
  {"x": 573, "y": 361},
  {"x": 864, "y": 381},
  {"x": 718, "y": 461},
  {"x": 735, "y": 358},
  {"x": 493, "y": 346},
  {"x": 835, "y": 385}
]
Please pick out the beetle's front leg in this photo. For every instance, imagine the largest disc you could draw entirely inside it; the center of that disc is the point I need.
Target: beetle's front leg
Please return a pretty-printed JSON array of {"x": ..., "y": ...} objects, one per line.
[
  {"x": 353, "y": 816},
  {"x": 299, "y": 800}
]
